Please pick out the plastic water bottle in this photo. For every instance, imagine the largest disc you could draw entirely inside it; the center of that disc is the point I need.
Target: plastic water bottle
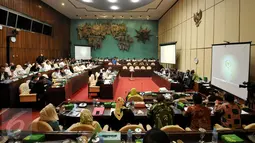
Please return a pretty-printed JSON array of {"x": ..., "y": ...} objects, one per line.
[
  {"x": 129, "y": 136},
  {"x": 214, "y": 136}
]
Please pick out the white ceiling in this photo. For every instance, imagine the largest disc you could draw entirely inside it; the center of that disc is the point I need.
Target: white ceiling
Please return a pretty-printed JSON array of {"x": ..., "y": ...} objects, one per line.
[{"x": 76, "y": 9}]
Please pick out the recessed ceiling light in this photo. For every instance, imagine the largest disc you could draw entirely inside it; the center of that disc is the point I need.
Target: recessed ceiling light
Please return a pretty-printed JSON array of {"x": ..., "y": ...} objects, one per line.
[
  {"x": 114, "y": 7},
  {"x": 88, "y": 1},
  {"x": 112, "y": 1},
  {"x": 63, "y": 4},
  {"x": 135, "y": 1}
]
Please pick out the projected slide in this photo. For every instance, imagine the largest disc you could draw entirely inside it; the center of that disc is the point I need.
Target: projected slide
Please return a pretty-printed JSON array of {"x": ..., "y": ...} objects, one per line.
[
  {"x": 168, "y": 53},
  {"x": 82, "y": 52},
  {"x": 230, "y": 67}
]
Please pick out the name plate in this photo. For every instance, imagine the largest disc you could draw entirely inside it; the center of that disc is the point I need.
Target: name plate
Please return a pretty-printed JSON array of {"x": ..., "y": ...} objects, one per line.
[
  {"x": 24, "y": 76},
  {"x": 111, "y": 137}
]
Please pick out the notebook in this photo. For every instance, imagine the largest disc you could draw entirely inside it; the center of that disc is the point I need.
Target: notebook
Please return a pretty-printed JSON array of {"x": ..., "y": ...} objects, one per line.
[{"x": 98, "y": 111}]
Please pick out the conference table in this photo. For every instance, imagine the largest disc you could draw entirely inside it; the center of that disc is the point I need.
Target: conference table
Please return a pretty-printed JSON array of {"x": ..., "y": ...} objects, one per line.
[
  {"x": 67, "y": 118},
  {"x": 162, "y": 81},
  {"x": 57, "y": 95},
  {"x": 190, "y": 136},
  {"x": 107, "y": 91},
  {"x": 9, "y": 90}
]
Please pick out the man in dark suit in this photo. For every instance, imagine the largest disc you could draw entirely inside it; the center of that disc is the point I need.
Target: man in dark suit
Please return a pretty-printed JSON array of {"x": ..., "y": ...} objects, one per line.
[
  {"x": 40, "y": 59},
  {"x": 3, "y": 75}
]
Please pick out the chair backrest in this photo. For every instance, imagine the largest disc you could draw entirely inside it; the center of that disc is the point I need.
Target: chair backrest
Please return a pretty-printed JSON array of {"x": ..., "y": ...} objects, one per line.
[
  {"x": 221, "y": 128},
  {"x": 137, "y": 67},
  {"x": 250, "y": 127},
  {"x": 143, "y": 68},
  {"x": 92, "y": 80},
  {"x": 40, "y": 126},
  {"x": 131, "y": 67},
  {"x": 24, "y": 88},
  {"x": 97, "y": 75},
  {"x": 149, "y": 68},
  {"x": 81, "y": 127},
  {"x": 124, "y": 67},
  {"x": 135, "y": 98},
  {"x": 132, "y": 127},
  {"x": 152, "y": 64},
  {"x": 172, "y": 128},
  {"x": 110, "y": 63},
  {"x": 129, "y": 64}
]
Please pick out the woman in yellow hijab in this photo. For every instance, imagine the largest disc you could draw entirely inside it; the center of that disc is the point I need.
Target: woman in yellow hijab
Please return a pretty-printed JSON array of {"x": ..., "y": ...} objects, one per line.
[
  {"x": 86, "y": 118},
  {"x": 132, "y": 93},
  {"x": 48, "y": 114}
]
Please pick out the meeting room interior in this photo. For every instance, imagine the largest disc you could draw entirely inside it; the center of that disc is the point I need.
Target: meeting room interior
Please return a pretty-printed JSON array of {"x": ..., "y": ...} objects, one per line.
[{"x": 127, "y": 71}]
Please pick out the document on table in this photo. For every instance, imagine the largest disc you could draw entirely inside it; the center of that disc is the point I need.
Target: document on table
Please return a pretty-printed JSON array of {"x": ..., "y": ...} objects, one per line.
[{"x": 243, "y": 112}]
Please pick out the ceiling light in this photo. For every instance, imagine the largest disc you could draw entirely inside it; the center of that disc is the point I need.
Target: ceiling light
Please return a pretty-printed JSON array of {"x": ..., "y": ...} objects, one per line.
[
  {"x": 63, "y": 4},
  {"x": 88, "y": 1},
  {"x": 112, "y": 1},
  {"x": 135, "y": 1},
  {"x": 114, "y": 7}
]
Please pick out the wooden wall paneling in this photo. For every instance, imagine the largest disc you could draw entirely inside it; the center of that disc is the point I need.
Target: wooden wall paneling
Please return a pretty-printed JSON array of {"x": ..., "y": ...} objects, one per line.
[
  {"x": 201, "y": 33},
  {"x": 209, "y": 27},
  {"x": 208, "y": 63},
  {"x": 232, "y": 20},
  {"x": 209, "y": 3},
  {"x": 188, "y": 59},
  {"x": 200, "y": 65},
  {"x": 219, "y": 23},
  {"x": 34, "y": 43},
  {"x": 252, "y": 64},
  {"x": 193, "y": 55},
  {"x": 247, "y": 20}
]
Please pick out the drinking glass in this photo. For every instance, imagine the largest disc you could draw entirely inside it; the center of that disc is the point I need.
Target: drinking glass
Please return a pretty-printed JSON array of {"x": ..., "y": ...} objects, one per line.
[{"x": 202, "y": 134}]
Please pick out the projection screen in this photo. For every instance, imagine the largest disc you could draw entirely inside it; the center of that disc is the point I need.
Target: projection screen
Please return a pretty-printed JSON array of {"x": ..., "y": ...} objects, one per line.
[
  {"x": 168, "y": 53},
  {"x": 230, "y": 67},
  {"x": 82, "y": 52}
]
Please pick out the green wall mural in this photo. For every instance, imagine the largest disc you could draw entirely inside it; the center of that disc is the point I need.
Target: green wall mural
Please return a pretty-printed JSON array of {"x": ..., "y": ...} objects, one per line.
[{"x": 111, "y": 46}]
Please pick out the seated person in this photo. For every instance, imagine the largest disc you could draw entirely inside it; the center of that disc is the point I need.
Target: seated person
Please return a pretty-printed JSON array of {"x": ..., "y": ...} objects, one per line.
[
  {"x": 156, "y": 136},
  {"x": 109, "y": 70},
  {"x": 47, "y": 80},
  {"x": 56, "y": 74},
  {"x": 3, "y": 75},
  {"x": 35, "y": 68},
  {"x": 7, "y": 69},
  {"x": 121, "y": 116},
  {"x": 161, "y": 113},
  {"x": 48, "y": 114},
  {"x": 33, "y": 81},
  {"x": 86, "y": 118},
  {"x": 133, "y": 92},
  {"x": 200, "y": 115},
  {"x": 19, "y": 71},
  {"x": 100, "y": 80},
  {"x": 12, "y": 73},
  {"x": 62, "y": 72},
  {"x": 67, "y": 71},
  {"x": 195, "y": 77},
  {"x": 230, "y": 112},
  {"x": 114, "y": 61}
]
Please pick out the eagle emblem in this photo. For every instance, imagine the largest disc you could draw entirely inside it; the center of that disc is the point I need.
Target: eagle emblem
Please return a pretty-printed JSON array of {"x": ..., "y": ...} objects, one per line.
[{"x": 198, "y": 17}]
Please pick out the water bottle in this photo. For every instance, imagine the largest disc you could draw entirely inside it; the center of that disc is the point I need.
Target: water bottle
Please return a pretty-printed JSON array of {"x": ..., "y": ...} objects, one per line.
[
  {"x": 94, "y": 102},
  {"x": 129, "y": 136},
  {"x": 214, "y": 136}
]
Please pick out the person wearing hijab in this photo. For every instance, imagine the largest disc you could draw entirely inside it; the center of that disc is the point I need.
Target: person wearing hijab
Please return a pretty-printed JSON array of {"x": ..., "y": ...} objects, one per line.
[
  {"x": 86, "y": 118},
  {"x": 121, "y": 116},
  {"x": 132, "y": 93},
  {"x": 48, "y": 114}
]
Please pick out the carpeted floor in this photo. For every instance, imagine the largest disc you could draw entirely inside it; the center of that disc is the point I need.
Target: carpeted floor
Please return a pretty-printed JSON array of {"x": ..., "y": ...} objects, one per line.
[
  {"x": 24, "y": 118},
  {"x": 124, "y": 86}
]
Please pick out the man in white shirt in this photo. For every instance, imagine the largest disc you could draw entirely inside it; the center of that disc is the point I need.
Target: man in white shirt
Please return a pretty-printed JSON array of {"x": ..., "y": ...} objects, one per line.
[
  {"x": 56, "y": 74},
  {"x": 67, "y": 71},
  {"x": 7, "y": 69},
  {"x": 3, "y": 75}
]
